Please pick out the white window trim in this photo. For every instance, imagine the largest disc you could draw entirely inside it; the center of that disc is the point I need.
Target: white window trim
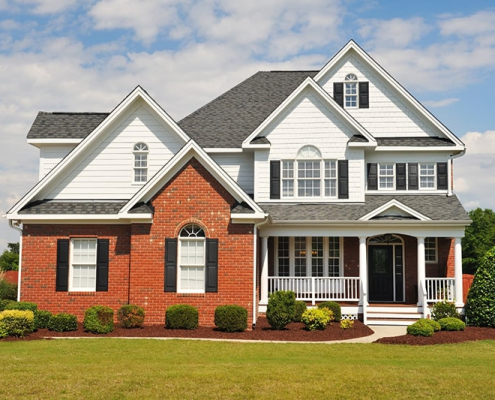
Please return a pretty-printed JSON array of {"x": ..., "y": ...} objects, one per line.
[
  {"x": 71, "y": 266},
  {"x": 136, "y": 152},
  {"x": 435, "y": 261},
  {"x": 179, "y": 266},
  {"x": 393, "y": 176},
  {"x": 434, "y": 176},
  {"x": 351, "y": 81}
]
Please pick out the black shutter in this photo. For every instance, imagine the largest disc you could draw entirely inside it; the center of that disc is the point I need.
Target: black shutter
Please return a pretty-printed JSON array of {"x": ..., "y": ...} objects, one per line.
[
  {"x": 211, "y": 265},
  {"x": 170, "y": 265},
  {"x": 338, "y": 93},
  {"x": 364, "y": 95},
  {"x": 62, "y": 278},
  {"x": 372, "y": 176},
  {"x": 413, "y": 176},
  {"x": 343, "y": 179},
  {"x": 400, "y": 183},
  {"x": 274, "y": 179},
  {"x": 442, "y": 175},
  {"x": 102, "y": 249}
]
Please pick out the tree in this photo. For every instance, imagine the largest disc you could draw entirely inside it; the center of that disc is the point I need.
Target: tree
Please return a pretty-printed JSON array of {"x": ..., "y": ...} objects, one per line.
[
  {"x": 478, "y": 239},
  {"x": 9, "y": 260}
]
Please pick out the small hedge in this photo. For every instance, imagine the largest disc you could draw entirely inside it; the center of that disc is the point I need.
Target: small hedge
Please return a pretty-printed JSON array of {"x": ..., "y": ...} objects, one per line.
[
  {"x": 452, "y": 324},
  {"x": 181, "y": 316},
  {"x": 299, "y": 310},
  {"x": 22, "y": 305},
  {"x": 317, "y": 318},
  {"x": 443, "y": 309},
  {"x": 8, "y": 291},
  {"x": 16, "y": 323},
  {"x": 4, "y": 303},
  {"x": 131, "y": 316},
  {"x": 98, "y": 319},
  {"x": 231, "y": 318},
  {"x": 334, "y": 308},
  {"x": 347, "y": 324},
  {"x": 62, "y": 322},
  {"x": 434, "y": 324},
  {"x": 421, "y": 327},
  {"x": 281, "y": 308},
  {"x": 41, "y": 319}
]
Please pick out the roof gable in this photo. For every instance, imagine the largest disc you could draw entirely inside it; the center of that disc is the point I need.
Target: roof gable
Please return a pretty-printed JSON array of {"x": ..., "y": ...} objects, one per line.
[{"x": 394, "y": 209}]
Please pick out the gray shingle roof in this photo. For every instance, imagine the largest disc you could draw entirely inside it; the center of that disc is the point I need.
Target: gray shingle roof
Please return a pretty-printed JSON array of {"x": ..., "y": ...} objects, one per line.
[
  {"x": 64, "y": 125},
  {"x": 415, "y": 141},
  {"x": 229, "y": 119},
  {"x": 436, "y": 207},
  {"x": 73, "y": 207}
]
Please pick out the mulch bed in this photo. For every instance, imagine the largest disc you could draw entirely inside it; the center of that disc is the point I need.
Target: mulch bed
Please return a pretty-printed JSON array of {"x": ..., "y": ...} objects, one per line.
[
  {"x": 471, "y": 333},
  {"x": 293, "y": 332}
]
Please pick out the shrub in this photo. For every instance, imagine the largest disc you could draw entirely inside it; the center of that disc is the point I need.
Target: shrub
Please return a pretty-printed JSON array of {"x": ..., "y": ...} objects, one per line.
[
  {"x": 231, "y": 318},
  {"x": 22, "y": 306},
  {"x": 62, "y": 322},
  {"x": 347, "y": 324},
  {"x": 451, "y": 324},
  {"x": 16, "y": 322},
  {"x": 434, "y": 324},
  {"x": 131, "y": 316},
  {"x": 443, "y": 309},
  {"x": 480, "y": 305},
  {"x": 334, "y": 308},
  {"x": 181, "y": 316},
  {"x": 8, "y": 291},
  {"x": 281, "y": 308},
  {"x": 317, "y": 318},
  {"x": 420, "y": 328},
  {"x": 299, "y": 310},
  {"x": 98, "y": 319},
  {"x": 4, "y": 303},
  {"x": 41, "y": 319}
]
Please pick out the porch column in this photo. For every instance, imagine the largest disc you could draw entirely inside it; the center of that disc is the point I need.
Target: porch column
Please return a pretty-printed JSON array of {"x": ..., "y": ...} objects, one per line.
[
  {"x": 363, "y": 270},
  {"x": 459, "y": 297},
  {"x": 421, "y": 270},
  {"x": 264, "y": 271}
]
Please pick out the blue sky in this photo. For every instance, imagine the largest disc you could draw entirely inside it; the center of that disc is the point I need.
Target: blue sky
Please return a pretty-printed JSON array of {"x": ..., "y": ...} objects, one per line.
[{"x": 75, "y": 55}]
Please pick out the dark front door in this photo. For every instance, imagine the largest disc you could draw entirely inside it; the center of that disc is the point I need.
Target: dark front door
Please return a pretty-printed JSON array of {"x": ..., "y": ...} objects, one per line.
[{"x": 381, "y": 273}]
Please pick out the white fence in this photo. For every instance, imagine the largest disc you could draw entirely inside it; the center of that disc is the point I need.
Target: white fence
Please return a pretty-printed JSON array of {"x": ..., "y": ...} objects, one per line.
[{"x": 440, "y": 289}]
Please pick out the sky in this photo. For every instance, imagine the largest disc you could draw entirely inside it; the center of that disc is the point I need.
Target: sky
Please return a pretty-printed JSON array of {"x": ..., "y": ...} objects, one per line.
[{"x": 87, "y": 55}]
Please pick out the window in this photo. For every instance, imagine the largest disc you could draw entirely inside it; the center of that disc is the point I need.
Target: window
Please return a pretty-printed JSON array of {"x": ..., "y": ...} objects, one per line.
[
  {"x": 140, "y": 162},
  {"x": 191, "y": 260},
  {"x": 351, "y": 93},
  {"x": 427, "y": 176},
  {"x": 309, "y": 256},
  {"x": 386, "y": 176},
  {"x": 288, "y": 178},
  {"x": 431, "y": 250},
  {"x": 330, "y": 179},
  {"x": 83, "y": 265}
]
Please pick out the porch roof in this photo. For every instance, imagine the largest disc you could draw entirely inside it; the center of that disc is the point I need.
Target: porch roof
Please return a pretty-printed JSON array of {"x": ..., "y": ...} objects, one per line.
[{"x": 436, "y": 207}]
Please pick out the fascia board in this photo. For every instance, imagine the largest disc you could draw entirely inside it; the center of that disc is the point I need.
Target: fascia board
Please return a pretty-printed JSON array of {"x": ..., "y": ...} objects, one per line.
[
  {"x": 451, "y": 149},
  {"x": 47, "y": 142},
  {"x": 222, "y": 150},
  {"x": 86, "y": 218},
  {"x": 399, "y": 205},
  {"x": 447, "y": 223}
]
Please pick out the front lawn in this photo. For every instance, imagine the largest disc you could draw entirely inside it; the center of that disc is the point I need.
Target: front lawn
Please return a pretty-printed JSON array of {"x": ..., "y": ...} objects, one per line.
[{"x": 123, "y": 368}]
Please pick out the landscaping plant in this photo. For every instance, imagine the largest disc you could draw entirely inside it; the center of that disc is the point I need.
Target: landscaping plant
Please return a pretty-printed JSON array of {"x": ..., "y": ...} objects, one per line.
[
  {"x": 181, "y": 316},
  {"x": 444, "y": 309},
  {"x": 347, "y": 324},
  {"x": 22, "y": 305},
  {"x": 281, "y": 308},
  {"x": 334, "y": 307},
  {"x": 131, "y": 316},
  {"x": 231, "y": 318},
  {"x": 434, "y": 324},
  {"x": 41, "y": 319},
  {"x": 451, "y": 324},
  {"x": 4, "y": 303},
  {"x": 300, "y": 308},
  {"x": 317, "y": 318},
  {"x": 16, "y": 322},
  {"x": 480, "y": 306},
  {"x": 421, "y": 327},
  {"x": 62, "y": 322},
  {"x": 98, "y": 319},
  {"x": 8, "y": 291}
]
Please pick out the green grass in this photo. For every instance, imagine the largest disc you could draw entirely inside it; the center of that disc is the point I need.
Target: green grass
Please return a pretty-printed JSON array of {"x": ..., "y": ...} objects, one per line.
[{"x": 142, "y": 369}]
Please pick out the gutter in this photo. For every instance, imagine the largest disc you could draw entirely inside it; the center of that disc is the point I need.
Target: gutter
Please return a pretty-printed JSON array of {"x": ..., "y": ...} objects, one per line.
[{"x": 13, "y": 226}]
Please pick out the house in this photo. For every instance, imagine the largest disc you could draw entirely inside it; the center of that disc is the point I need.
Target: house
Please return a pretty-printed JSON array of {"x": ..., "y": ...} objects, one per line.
[{"x": 336, "y": 184}]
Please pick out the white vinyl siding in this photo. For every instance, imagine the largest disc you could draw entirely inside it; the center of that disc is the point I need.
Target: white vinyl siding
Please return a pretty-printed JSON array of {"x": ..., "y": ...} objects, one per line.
[
  {"x": 51, "y": 155},
  {"x": 240, "y": 167}
]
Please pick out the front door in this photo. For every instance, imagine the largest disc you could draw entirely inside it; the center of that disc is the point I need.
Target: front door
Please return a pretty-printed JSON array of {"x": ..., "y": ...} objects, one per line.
[{"x": 381, "y": 273}]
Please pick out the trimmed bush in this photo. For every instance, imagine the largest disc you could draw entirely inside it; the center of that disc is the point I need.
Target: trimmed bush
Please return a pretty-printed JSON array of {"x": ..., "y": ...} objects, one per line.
[
  {"x": 480, "y": 305},
  {"x": 317, "y": 318},
  {"x": 281, "y": 308},
  {"x": 434, "y": 324},
  {"x": 98, "y": 319},
  {"x": 4, "y": 303},
  {"x": 181, "y": 316},
  {"x": 334, "y": 308},
  {"x": 231, "y": 318},
  {"x": 451, "y": 324},
  {"x": 8, "y": 291},
  {"x": 41, "y": 319},
  {"x": 300, "y": 308},
  {"x": 62, "y": 322},
  {"x": 443, "y": 309},
  {"x": 131, "y": 316},
  {"x": 421, "y": 327},
  {"x": 347, "y": 324},
  {"x": 16, "y": 322},
  {"x": 22, "y": 306}
]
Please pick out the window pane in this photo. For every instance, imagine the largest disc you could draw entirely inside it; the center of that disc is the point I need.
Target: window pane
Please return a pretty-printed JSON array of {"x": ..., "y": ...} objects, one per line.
[
  {"x": 308, "y": 169},
  {"x": 300, "y": 256},
  {"x": 333, "y": 256},
  {"x": 283, "y": 256},
  {"x": 317, "y": 256},
  {"x": 192, "y": 252},
  {"x": 430, "y": 249},
  {"x": 308, "y": 188},
  {"x": 287, "y": 188},
  {"x": 192, "y": 278}
]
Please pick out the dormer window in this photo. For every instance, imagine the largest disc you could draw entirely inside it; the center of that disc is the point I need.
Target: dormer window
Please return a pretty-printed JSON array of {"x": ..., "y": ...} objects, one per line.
[
  {"x": 351, "y": 93},
  {"x": 140, "y": 162}
]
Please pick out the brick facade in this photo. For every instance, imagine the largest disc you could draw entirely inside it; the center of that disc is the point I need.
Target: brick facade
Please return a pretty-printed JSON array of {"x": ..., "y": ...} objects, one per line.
[{"x": 136, "y": 265}]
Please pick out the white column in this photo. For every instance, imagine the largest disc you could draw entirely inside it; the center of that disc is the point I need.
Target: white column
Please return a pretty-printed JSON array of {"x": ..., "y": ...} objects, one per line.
[
  {"x": 421, "y": 270},
  {"x": 264, "y": 271},
  {"x": 459, "y": 298},
  {"x": 363, "y": 269}
]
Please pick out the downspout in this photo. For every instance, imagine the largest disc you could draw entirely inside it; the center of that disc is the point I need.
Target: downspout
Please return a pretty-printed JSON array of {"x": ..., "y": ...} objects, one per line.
[
  {"x": 450, "y": 171},
  {"x": 11, "y": 224},
  {"x": 255, "y": 260}
]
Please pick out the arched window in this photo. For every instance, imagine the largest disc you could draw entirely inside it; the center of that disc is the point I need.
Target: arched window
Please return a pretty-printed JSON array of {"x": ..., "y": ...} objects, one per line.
[
  {"x": 351, "y": 93},
  {"x": 140, "y": 162},
  {"x": 191, "y": 259}
]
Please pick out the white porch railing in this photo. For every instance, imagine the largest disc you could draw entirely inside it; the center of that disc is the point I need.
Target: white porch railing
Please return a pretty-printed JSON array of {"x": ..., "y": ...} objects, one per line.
[
  {"x": 440, "y": 289},
  {"x": 317, "y": 288}
]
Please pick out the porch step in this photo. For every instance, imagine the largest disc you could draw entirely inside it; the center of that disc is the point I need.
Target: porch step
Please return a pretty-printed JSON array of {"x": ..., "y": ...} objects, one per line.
[
  {"x": 401, "y": 316},
  {"x": 389, "y": 322}
]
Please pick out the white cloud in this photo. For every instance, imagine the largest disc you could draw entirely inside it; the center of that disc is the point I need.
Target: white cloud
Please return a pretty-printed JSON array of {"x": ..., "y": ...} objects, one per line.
[
  {"x": 477, "y": 24},
  {"x": 46, "y": 6},
  {"x": 396, "y": 32},
  {"x": 440, "y": 103}
]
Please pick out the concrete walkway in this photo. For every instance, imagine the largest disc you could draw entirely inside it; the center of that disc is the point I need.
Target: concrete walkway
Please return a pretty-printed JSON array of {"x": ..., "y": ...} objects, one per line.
[{"x": 380, "y": 331}]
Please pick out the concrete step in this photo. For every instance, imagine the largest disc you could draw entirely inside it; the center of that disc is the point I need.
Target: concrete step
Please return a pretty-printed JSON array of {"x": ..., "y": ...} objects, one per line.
[
  {"x": 388, "y": 322},
  {"x": 394, "y": 315}
]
